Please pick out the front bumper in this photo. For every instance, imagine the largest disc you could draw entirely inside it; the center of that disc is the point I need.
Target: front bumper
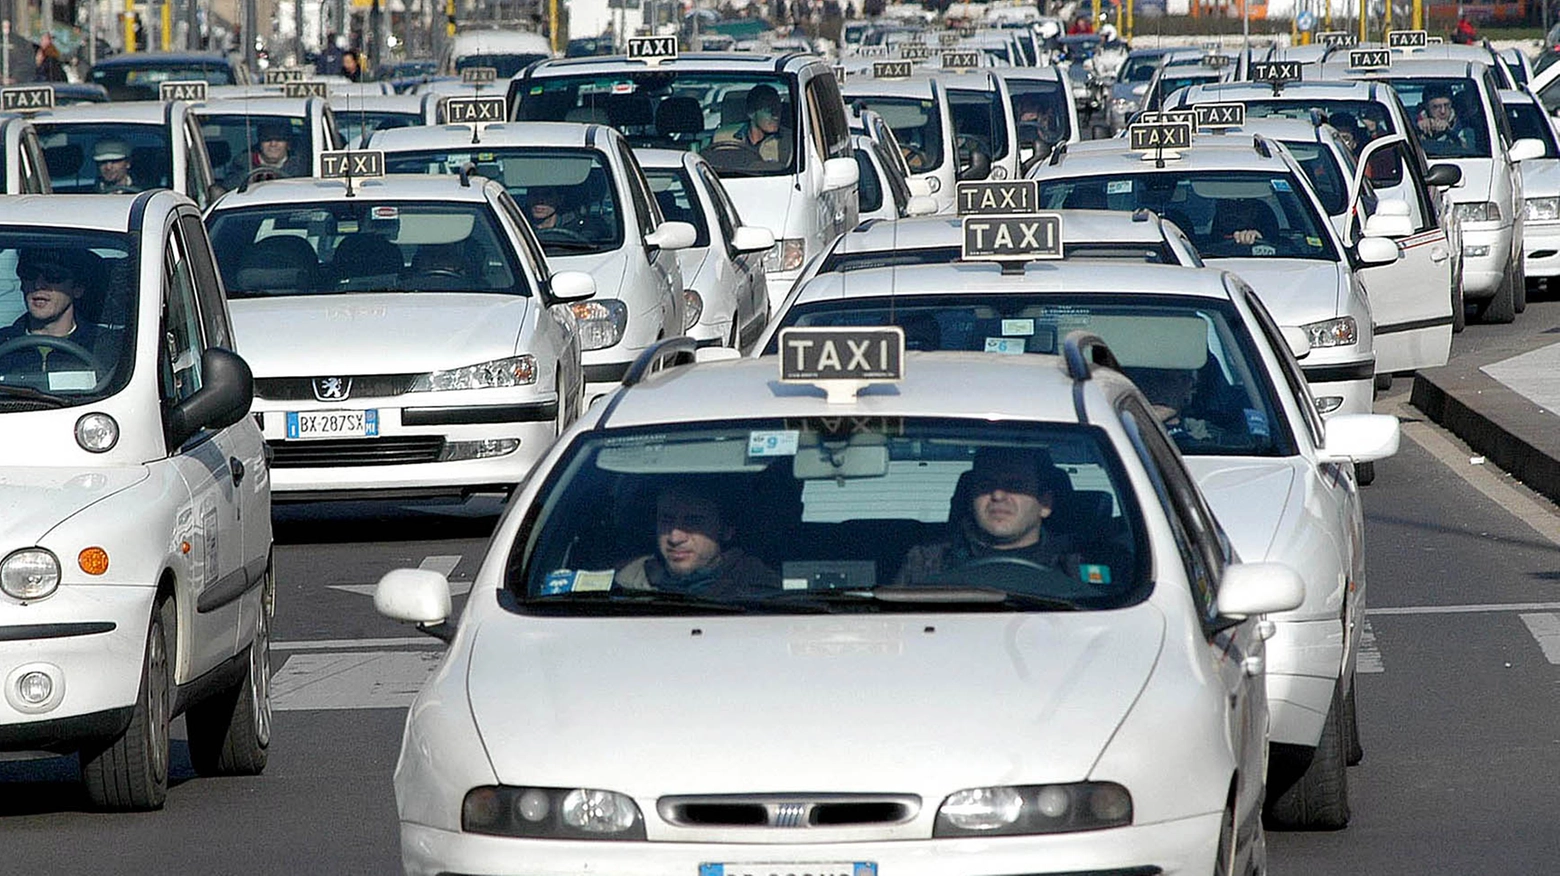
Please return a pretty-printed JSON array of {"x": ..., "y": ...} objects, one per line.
[
  {"x": 1482, "y": 274},
  {"x": 1341, "y": 387},
  {"x": 90, "y": 640},
  {"x": 1541, "y": 248},
  {"x": 1175, "y": 847}
]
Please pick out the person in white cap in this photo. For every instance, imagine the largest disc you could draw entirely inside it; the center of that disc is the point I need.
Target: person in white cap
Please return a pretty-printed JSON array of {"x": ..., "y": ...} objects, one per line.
[{"x": 113, "y": 161}]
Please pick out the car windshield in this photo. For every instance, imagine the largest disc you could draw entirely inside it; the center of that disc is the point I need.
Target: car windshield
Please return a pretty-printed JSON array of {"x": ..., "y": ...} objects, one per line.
[
  {"x": 916, "y": 124},
  {"x": 358, "y": 125},
  {"x": 1191, "y": 357},
  {"x": 1528, "y": 122},
  {"x": 67, "y": 317},
  {"x": 1227, "y": 214},
  {"x": 127, "y": 82},
  {"x": 845, "y": 514},
  {"x": 1140, "y": 68},
  {"x": 240, "y": 144},
  {"x": 1169, "y": 85},
  {"x": 979, "y": 122},
  {"x": 106, "y": 157},
  {"x": 506, "y": 63},
  {"x": 568, "y": 194},
  {"x": 673, "y": 190},
  {"x": 1448, "y": 114},
  {"x": 1039, "y": 109},
  {"x": 744, "y": 124},
  {"x": 363, "y": 246}
]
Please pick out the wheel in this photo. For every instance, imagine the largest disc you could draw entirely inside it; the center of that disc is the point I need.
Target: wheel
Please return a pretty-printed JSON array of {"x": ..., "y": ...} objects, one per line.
[
  {"x": 1365, "y": 473},
  {"x": 230, "y": 732},
  {"x": 1459, "y": 307},
  {"x": 1351, "y": 727},
  {"x": 131, "y": 771},
  {"x": 1313, "y": 793},
  {"x": 1519, "y": 288},
  {"x": 1502, "y": 308}
]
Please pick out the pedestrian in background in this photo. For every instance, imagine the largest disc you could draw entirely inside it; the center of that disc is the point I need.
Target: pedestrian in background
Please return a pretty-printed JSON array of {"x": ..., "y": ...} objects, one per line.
[{"x": 47, "y": 61}]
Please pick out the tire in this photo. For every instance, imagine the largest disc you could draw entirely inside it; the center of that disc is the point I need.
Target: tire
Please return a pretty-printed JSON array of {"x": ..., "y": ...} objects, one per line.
[
  {"x": 1502, "y": 307},
  {"x": 230, "y": 732},
  {"x": 1224, "y": 861},
  {"x": 1459, "y": 308},
  {"x": 1351, "y": 727},
  {"x": 130, "y": 772},
  {"x": 1519, "y": 287},
  {"x": 1313, "y": 793},
  {"x": 1365, "y": 473}
]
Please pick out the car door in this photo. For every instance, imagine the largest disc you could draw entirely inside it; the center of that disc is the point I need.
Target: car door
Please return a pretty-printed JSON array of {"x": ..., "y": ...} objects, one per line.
[
  {"x": 829, "y": 135},
  {"x": 1410, "y": 299}
]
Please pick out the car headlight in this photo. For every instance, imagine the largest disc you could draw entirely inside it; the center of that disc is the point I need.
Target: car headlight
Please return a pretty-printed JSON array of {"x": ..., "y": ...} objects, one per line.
[
  {"x": 30, "y": 573},
  {"x": 1339, "y": 332},
  {"x": 551, "y": 813},
  {"x": 601, "y": 322},
  {"x": 693, "y": 308},
  {"x": 513, "y": 371},
  {"x": 1541, "y": 209},
  {"x": 785, "y": 256},
  {"x": 1488, "y": 211},
  {"x": 1029, "y": 809}
]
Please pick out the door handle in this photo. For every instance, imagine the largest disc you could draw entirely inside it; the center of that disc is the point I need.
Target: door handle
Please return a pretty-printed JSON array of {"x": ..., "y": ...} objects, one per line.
[
  {"x": 1439, "y": 254},
  {"x": 1252, "y": 666},
  {"x": 236, "y": 468}
]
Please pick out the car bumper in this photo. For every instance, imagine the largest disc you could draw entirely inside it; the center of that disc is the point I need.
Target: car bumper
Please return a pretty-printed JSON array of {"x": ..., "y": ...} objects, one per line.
[
  {"x": 1486, "y": 258},
  {"x": 1341, "y": 387},
  {"x": 1541, "y": 249},
  {"x": 1304, "y": 661},
  {"x": 1182, "y": 846},
  {"x": 90, "y": 640}
]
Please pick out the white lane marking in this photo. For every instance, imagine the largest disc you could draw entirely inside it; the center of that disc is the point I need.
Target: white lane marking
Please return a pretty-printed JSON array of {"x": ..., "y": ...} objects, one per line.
[
  {"x": 444, "y": 564},
  {"x": 352, "y": 644},
  {"x": 351, "y": 680},
  {"x": 1465, "y": 609},
  {"x": 457, "y": 588},
  {"x": 1368, "y": 660},
  {"x": 1546, "y": 629}
]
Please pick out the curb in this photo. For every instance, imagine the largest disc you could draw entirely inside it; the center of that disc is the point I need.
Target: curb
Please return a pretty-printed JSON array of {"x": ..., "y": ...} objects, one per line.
[{"x": 1511, "y": 430}]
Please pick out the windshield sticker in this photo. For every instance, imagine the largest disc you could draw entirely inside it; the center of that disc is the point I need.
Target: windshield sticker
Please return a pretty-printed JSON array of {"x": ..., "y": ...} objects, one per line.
[
  {"x": 558, "y": 582},
  {"x": 1092, "y": 573},
  {"x": 793, "y": 583},
  {"x": 1281, "y": 185},
  {"x": 62, "y": 381},
  {"x": 1024, "y": 327},
  {"x": 385, "y": 212},
  {"x": 1119, "y": 187},
  {"x": 1263, "y": 249},
  {"x": 536, "y": 89},
  {"x": 622, "y": 87},
  {"x": 1256, "y": 422},
  {"x": 1313, "y": 242},
  {"x": 1005, "y": 346},
  {"x": 778, "y": 442},
  {"x": 586, "y": 581}
]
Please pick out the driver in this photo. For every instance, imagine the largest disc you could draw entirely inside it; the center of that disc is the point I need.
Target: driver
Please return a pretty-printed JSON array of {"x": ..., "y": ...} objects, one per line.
[
  {"x": 696, "y": 551},
  {"x": 53, "y": 281},
  {"x": 546, "y": 205},
  {"x": 764, "y": 132},
  {"x": 113, "y": 163},
  {"x": 1034, "y": 109},
  {"x": 1439, "y": 126},
  {"x": 1000, "y": 507}
]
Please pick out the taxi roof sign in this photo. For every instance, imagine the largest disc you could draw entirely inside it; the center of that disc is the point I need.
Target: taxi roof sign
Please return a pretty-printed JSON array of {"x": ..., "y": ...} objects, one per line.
[
  {"x": 479, "y": 75},
  {"x": 1370, "y": 59},
  {"x": 1338, "y": 38},
  {"x": 1435, "y": 40},
  {"x": 1215, "y": 59},
  {"x": 277, "y": 76},
  {"x": 1220, "y": 115},
  {"x": 1159, "y": 140},
  {"x": 964, "y": 59},
  {"x": 842, "y": 360},
  {"x": 1189, "y": 116},
  {"x": 1005, "y": 198},
  {"x": 839, "y": 73},
  {"x": 914, "y": 51},
  {"x": 948, "y": 38},
  {"x": 475, "y": 110},
  {"x": 1012, "y": 238},
  {"x": 872, "y": 51},
  {"x": 304, "y": 88},
  {"x": 652, "y": 49},
  {"x": 26, "y": 98},
  {"x": 1407, "y": 39},
  {"x": 1275, "y": 72},
  {"x": 891, "y": 69},
  {"x": 350, "y": 164},
  {"x": 192, "y": 90}
]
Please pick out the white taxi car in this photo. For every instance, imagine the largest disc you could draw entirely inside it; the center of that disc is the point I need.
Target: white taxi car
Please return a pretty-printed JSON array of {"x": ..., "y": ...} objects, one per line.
[
  {"x": 408, "y": 341},
  {"x": 22, "y": 162},
  {"x": 916, "y": 110},
  {"x": 715, "y": 550},
  {"x": 1540, "y": 190},
  {"x": 136, "y": 579},
  {"x": 161, "y": 141},
  {"x": 588, "y": 201},
  {"x": 235, "y": 130}
]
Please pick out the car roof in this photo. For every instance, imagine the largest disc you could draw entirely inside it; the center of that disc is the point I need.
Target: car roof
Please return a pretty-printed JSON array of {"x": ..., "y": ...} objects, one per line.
[
  {"x": 987, "y": 278},
  {"x": 1329, "y": 89},
  {"x": 664, "y": 158},
  {"x": 499, "y": 134},
  {"x": 343, "y": 102},
  {"x": 156, "y": 59},
  {"x": 1280, "y": 128},
  {"x": 150, "y": 112},
  {"x": 395, "y": 187},
  {"x": 867, "y": 86},
  {"x": 1208, "y": 152},
  {"x": 1413, "y": 67},
  {"x": 700, "y": 61},
  {"x": 292, "y": 107},
  {"x": 924, "y": 232},
  {"x": 91, "y": 212},
  {"x": 984, "y": 79}
]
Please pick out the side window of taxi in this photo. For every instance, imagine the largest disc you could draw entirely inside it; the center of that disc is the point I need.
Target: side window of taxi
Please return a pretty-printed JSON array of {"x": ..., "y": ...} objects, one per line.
[
  {"x": 530, "y": 249},
  {"x": 196, "y": 178},
  {"x": 1287, "y": 366},
  {"x": 32, "y": 163},
  {"x": 639, "y": 190},
  {"x": 832, "y": 131},
  {"x": 208, "y": 283},
  {"x": 815, "y": 119},
  {"x": 725, "y": 213},
  {"x": 179, "y": 359}
]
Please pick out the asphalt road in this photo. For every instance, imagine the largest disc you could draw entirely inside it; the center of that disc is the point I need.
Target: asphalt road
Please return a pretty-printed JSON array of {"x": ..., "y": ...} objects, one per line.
[{"x": 1458, "y": 693}]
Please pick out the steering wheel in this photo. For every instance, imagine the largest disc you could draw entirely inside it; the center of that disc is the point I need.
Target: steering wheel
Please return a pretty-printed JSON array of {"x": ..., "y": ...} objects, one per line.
[
  {"x": 561, "y": 235},
  {"x": 443, "y": 273},
  {"x": 732, "y": 155},
  {"x": 69, "y": 347},
  {"x": 121, "y": 190},
  {"x": 1030, "y": 576}
]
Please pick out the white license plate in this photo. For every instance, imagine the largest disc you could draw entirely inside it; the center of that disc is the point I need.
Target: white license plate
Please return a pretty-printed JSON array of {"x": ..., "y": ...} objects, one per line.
[
  {"x": 332, "y": 424},
  {"x": 784, "y": 869}
]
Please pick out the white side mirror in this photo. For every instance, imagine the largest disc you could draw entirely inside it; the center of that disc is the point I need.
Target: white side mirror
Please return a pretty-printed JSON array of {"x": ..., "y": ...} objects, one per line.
[
  {"x": 1390, "y": 220},
  {"x": 920, "y": 205},
  {"x": 1377, "y": 251},
  {"x": 416, "y": 596},
  {"x": 570, "y": 286},
  {"x": 672, "y": 236},
  {"x": 1360, "y": 438},
  {"x": 920, "y": 186},
  {"x": 1249, "y": 589},
  {"x": 751, "y": 238},
  {"x": 840, "y": 173},
  {"x": 716, "y": 354},
  {"x": 1525, "y": 149},
  {"x": 1299, "y": 342},
  {"x": 1140, "y": 90}
]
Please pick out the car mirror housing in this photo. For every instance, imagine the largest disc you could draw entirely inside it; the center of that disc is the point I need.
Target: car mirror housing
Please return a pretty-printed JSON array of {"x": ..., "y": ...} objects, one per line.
[
  {"x": 1377, "y": 250},
  {"x": 840, "y": 173},
  {"x": 570, "y": 286},
  {"x": 751, "y": 238},
  {"x": 920, "y": 205},
  {"x": 1249, "y": 589},
  {"x": 1525, "y": 149},
  {"x": 1443, "y": 175},
  {"x": 226, "y": 392},
  {"x": 415, "y": 596},
  {"x": 672, "y": 236},
  {"x": 1360, "y": 438}
]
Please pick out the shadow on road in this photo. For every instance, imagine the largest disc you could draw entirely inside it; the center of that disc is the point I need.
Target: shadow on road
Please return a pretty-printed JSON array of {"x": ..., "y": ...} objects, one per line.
[{"x": 336, "y": 522}]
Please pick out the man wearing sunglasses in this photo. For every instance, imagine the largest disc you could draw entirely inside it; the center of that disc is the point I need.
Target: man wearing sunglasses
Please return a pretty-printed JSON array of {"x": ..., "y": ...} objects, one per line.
[
  {"x": 764, "y": 133},
  {"x": 53, "y": 281}
]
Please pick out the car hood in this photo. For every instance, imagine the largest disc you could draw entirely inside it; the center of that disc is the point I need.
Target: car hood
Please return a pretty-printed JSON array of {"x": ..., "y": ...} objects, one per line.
[
  {"x": 729, "y": 705},
  {"x": 1251, "y": 498},
  {"x": 1296, "y": 291},
  {"x": 1540, "y": 178},
  {"x": 398, "y": 332},
  {"x": 1478, "y": 174},
  {"x": 764, "y": 201},
  {"x": 36, "y": 499},
  {"x": 608, "y": 269}
]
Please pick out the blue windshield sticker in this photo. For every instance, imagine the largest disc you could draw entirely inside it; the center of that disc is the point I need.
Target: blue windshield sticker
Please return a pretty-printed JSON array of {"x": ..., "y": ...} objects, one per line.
[
  {"x": 1005, "y": 346},
  {"x": 1257, "y": 423},
  {"x": 1094, "y": 574},
  {"x": 1281, "y": 185},
  {"x": 1118, "y": 187},
  {"x": 777, "y": 442},
  {"x": 557, "y": 582}
]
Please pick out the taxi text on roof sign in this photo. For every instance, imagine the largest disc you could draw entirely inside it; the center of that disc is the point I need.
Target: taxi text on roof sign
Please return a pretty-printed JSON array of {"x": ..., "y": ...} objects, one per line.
[
  {"x": 872, "y": 51},
  {"x": 948, "y": 38},
  {"x": 997, "y": 198},
  {"x": 653, "y": 49},
  {"x": 858, "y": 355},
  {"x": 960, "y": 60},
  {"x": 1337, "y": 38},
  {"x": 354, "y": 163},
  {"x": 1407, "y": 39},
  {"x": 304, "y": 88},
  {"x": 891, "y": 69},
  {"x": 1370, "y": 59},
  {"x": 479, "y": 75},
  {"x": 915, "y": 51},
  {"x": 1216, "y": 60},
  {"x": 285, "y": 74},
  {"x": 474, "y": 110},
  {"x": 1019, "y": 238},
  {"x": 1275, "y": 71},
  {"x": 24, "y": 98},
  {"x": 192, "y": 90},
  {"x": 1220, "y": 115},
  {"x": 1159, "y": 139},
  {"x": 839, "y": 73},
  {"x": 1186, "y": 116},
  {"x": 968, "y": 30}
]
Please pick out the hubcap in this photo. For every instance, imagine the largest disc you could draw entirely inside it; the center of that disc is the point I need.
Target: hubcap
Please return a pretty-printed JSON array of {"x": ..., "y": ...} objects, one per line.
[
  {"x": 157, "y": 702},
  {"x": 260, "y": 665}
]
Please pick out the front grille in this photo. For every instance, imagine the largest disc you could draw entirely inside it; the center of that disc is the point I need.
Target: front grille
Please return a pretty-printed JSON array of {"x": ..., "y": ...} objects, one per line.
[
  {"x": 363, "y": 386},
  {"x": 356, "y": 451},
  {"x": 789, "y": 810}
]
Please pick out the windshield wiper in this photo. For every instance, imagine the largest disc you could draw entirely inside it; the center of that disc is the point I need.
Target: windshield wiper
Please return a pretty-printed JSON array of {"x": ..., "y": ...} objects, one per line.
[
  {"x": 568, "y": 246},
  {"x": 651, "y": 600},
  {"x": 926, "y": 595},
  {"x": 29, "y": 394}
]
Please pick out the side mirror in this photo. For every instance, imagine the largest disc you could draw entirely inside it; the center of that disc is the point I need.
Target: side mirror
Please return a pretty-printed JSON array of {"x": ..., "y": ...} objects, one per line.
[
  {"x": 840, "y": 173},
  {"x": 1140, "y": 90},
  {"x": 1299, "y": 342},
  {"x": 751, "y": 238},
  {"x": 1445, "y": 175},
  {"x": 416, "y": 596},
  {"x": 920, "y": 186},
  {"x": 1525, "y": 149},
  {"x": 570, "y": 286},
  {"x": 920, "y": 205},
  {"x": 716, "y": 354},
  {"x": 672, "y": 236},
  {"x": 1360, "y": 438},
  {"x": 1249, "y": 589},
  {"x": 227, "y": 389},
  {"x": 1376, "y": 251},
  {"x": 1390, "y": 220}
]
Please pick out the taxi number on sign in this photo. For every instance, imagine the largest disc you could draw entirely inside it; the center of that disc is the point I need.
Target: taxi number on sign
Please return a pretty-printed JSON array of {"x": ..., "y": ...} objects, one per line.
[
  {"x": 332, "y": 424},
  {"x": 855, "y": 869}
]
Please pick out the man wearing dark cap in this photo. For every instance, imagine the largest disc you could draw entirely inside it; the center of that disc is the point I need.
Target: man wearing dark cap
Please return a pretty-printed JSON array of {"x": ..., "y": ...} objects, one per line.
[
  {"x": 999, "y": 510},
  {"x": 113, "y": 162},
  {"x": 765, "y": 131},
  {"x": 272, "y": 152},
  {"x": 53, "y": 281}
]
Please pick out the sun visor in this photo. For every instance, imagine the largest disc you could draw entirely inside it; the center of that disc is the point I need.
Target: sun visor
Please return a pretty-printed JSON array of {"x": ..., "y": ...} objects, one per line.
[{"x": 1153, "y": 341}]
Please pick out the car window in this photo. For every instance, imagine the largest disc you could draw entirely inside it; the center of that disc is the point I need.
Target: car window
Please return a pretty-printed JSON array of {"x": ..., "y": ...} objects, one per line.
[
  {"x": 357, "y": 126},
  {"x": 893, "y": 178},
  {"x": 1323, "y": 172},
  {"x": 979, "y": 121},
  {"x": 208, "y": 285},
  {"x": 1288, "y": 367},
  {"x": 725, "y": 212},
  {"x": 1528, "y": 121},
  {"x": 179, "y": 362},
  {"x": 917, "y": 125},
  {"x": 834, "y": 129},
  {"x": 106, "y": 157},
  {"x": 645, "y": 206},
  {"x": 1448, "y": 114},
  {"x": 869, "y": 188},
  {"x": 237, "y": 142},
  {"x": 674, "y": 194},
  {"x": 1039, "y": 109},
  {"x": 126, "y": 82}
]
